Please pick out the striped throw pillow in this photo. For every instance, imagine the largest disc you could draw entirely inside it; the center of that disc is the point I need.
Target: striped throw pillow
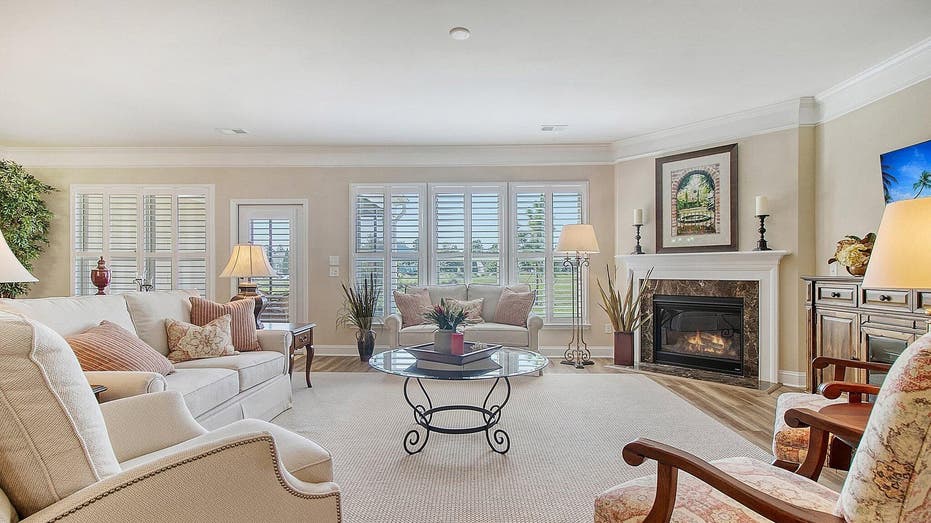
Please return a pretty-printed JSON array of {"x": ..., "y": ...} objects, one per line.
[
  {"x": 412, "y": 306},
  {"x": 514, "y": 307},
  {"x": 242, "y": 320},
  {"x": 111, "y": 347}
]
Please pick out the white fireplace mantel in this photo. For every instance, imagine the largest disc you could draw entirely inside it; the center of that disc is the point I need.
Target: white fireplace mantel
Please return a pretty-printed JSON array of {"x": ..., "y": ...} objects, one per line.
[{"x": 760, "y": 266}]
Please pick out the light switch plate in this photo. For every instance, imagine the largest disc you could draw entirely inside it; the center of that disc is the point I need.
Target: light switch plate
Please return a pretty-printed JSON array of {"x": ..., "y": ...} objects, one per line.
[
  {"x": 334, "y": 271},
  {"x": 334, "y": 261}
]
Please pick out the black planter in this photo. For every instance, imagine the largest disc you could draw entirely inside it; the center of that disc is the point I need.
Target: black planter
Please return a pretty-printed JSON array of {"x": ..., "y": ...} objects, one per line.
[{"x": 366, "y": 342}]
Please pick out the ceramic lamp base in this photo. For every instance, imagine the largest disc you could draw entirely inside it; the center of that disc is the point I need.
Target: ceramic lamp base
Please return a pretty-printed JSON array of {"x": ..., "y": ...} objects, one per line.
[{"x": 250, "y": 291}]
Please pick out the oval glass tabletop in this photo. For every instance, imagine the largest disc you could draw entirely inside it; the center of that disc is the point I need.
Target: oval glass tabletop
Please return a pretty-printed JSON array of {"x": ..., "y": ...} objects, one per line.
[{"x": 504, "y": 363}]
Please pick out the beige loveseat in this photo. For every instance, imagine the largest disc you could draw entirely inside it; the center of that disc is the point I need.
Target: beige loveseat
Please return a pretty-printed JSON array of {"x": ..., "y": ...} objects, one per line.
[
  {"x": 487, "y": 332},
  {"x": 217, "y": 391}
]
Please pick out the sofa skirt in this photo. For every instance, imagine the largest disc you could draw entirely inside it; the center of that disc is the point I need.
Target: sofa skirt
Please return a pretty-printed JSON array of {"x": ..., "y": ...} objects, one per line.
[{"x": 264, "y": 402}]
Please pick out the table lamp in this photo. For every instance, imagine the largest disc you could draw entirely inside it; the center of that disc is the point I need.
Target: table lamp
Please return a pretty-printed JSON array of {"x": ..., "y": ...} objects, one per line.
[
  {"x": 11, "y": 270},
  {"x": 901, "y": 257},
  {"x": 249, "y": 261},
  {"x": 577, "y": 241}
]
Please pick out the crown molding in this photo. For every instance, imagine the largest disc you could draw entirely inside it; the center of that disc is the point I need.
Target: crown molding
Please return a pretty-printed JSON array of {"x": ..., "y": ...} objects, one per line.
[
  {"x": 311, "y": 156},
  {"x": 900, "y": 71}
]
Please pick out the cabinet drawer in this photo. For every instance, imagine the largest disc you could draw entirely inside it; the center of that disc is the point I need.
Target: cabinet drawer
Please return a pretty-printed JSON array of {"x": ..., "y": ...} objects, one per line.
[
  {"x": 880, "y": 320},
  {"x": 924, "y": 300},
  {"x": 302, "y": 339},
  {"x": 887, "y": 299},
  {"x": 836, "y": 294}
]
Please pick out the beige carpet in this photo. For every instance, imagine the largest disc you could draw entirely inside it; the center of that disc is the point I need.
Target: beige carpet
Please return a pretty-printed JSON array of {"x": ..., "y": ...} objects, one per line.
[{"x": 566, "y": 432}]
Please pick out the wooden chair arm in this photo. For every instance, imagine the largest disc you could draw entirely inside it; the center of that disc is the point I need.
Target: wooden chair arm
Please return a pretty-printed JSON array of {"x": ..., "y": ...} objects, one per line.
[
  {"x": 822, "y": 362},
  {"x": 833, "y": 389},
  {"x": 670, "y": 460},
  {"x": 800, "y": 418}
]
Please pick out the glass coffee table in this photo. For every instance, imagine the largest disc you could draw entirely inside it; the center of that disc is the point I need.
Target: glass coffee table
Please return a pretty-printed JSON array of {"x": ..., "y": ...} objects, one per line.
[{"x": 510, "y": 363}]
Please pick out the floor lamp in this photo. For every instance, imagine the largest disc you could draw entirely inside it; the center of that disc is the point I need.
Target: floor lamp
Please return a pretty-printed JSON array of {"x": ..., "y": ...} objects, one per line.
[{"x": 577, "y": 241}]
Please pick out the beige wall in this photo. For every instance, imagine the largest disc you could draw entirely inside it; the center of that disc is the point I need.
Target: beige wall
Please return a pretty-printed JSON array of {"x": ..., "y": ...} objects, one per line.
[
  {"x": 848, "y": 178},
  {"x": 327, "y": 190},
  {"x": 778, "y": 165}
]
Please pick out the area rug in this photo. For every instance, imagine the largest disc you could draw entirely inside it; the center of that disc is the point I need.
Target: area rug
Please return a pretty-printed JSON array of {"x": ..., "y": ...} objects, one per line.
[{"x": 567, "y": 432}]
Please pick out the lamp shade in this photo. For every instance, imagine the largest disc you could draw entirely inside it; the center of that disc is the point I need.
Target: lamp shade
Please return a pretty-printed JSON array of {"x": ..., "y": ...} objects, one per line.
[
  {"x": 11, "y": 270},
  {"x": 248, "y": 261},
  {"x": 901, "y": 257},
  {"x": 578, "y": 238}
]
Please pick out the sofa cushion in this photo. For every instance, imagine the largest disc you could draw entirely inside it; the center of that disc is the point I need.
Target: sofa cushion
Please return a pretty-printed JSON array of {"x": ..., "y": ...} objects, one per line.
[
  {"x": 111, "y": 347},
  {"x": 53, "y": 439},
  {"x": 72, "y": 315},
  {"x": 242, "y": 315},
  {"x": 149, "y": 310},
  {"x": 253, "y": 367},
  {"x": 438, "y": 292},
  {"x": 203, "y": 389},
  {"x": 303, "y": 458},
  {"x": 491, "y": 294},
  {"x": 416, "y": 335},
  {"x": 507, "y": 335}
]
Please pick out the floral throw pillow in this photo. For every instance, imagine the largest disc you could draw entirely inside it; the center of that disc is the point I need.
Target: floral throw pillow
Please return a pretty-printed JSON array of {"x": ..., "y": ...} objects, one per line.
[
  {"x": 471, "y": 308},
  {"x": 187, "y": 341}
]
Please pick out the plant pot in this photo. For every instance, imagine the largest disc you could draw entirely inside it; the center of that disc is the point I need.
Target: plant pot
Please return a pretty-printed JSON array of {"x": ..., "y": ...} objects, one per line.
[
  {"x": 856, "y": 271},
  {"x": 366, "y": 343},
  {"x": 443, "y": 341},
  {"x": 624, "y": 348}
]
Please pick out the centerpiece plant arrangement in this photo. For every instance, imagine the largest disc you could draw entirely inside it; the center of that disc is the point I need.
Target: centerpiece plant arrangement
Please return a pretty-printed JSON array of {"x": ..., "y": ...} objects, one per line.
[
  {"x": 854, "y": 253},
  {"x": 447, "y": 318},
  {"x": 358, "y": 313},
  {"x": 623, "y": 309}
]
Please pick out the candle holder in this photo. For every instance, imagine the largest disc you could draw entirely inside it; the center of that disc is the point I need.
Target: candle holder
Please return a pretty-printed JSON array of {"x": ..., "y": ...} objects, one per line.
[
  {"x": 638, "y": 250},
  {"x": 761, "y": 245}
]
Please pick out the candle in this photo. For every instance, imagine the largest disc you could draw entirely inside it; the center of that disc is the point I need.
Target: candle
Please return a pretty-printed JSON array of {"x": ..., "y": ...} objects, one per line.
[
  {"x": 762, "y": 206},
  {"x": 638, "y": 216}
]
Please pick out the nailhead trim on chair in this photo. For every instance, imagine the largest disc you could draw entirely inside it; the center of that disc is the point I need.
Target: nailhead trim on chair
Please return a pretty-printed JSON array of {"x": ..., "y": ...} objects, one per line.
[{"x": 272, "y": 450}]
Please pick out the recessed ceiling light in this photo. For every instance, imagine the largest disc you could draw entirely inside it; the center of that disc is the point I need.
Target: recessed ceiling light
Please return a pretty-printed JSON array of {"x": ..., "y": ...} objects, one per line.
[
  {"x": 232, "y": 131},
  {"x": 459, "y": 33},
  {"x": 553, "y": 128}
]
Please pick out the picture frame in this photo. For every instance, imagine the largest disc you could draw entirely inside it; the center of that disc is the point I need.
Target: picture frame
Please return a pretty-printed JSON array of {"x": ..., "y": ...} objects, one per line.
[{"x": 696, "y": 201}]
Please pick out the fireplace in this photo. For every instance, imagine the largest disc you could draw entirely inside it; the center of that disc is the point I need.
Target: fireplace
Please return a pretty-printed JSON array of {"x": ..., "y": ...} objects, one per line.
[{"x": 699, "y": 332}]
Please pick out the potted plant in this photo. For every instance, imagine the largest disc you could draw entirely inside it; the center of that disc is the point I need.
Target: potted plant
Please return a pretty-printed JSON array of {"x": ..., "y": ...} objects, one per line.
[
  {"x": 854, "y": 253},
  {"x": 623, "y": 309},
  {"x": 359, "y": 302},
  {"x": 447, "y": 317}
]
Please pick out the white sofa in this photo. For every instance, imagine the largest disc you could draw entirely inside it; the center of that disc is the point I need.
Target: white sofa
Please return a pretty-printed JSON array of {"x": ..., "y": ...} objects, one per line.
[
  {"x": 487, "y": 332},
  {"x": 217, "y": 391}
]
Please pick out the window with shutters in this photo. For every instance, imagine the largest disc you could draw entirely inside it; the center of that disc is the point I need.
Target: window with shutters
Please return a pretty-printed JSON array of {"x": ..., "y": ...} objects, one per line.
[
  {"x": 159, "y": 235},
  {"x": 495, "y": 233}
]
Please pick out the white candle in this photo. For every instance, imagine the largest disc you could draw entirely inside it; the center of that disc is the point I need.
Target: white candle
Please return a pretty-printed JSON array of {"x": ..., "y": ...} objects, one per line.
[
  {"x": 638, "y": 216},
  {"x": 762, "y": 206}
]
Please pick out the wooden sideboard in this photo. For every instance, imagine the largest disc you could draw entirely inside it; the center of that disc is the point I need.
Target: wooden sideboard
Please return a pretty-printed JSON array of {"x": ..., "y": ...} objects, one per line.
[{"x": 848, "y": 321}]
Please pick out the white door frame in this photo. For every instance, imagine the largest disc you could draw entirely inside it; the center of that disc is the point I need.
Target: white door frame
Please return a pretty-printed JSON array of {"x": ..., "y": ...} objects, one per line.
[{"x": 302, "y": 232}]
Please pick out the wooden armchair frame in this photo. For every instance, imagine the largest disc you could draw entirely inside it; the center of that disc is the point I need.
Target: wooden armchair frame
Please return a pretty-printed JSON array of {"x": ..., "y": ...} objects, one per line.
[{"x": 840, "y": 368}]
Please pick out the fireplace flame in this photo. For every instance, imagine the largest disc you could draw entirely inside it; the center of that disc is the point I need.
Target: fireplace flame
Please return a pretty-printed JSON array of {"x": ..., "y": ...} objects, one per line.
[{"x": 706, "y": 342}]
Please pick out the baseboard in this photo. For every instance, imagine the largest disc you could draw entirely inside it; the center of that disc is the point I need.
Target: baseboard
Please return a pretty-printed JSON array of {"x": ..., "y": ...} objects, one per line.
[
  {"x": 548, "y": 351},
  {"x": 793, "y": 378}
]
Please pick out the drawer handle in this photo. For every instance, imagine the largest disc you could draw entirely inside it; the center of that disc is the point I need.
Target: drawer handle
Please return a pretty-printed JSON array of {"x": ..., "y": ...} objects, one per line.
[
  {"x": 854, "y": 357},
  {"x": 885, "y": 297},
  {"x": 835, "y": 295}
]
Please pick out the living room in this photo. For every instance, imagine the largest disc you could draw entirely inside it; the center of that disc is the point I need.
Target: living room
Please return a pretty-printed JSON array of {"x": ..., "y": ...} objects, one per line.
[{"x": 445, "y": 262}]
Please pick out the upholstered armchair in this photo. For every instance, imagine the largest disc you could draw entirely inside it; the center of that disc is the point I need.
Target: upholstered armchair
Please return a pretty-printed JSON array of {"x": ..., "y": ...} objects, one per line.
[
  {"x": 889, "y": 478},
  {"x": 142, "y": 458},
  {"x": 790, "y": 444}
]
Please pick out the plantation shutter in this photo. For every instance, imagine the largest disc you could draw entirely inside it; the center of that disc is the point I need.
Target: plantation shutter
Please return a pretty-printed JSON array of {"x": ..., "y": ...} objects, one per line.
[
  {"x": 467, "y": 233},
  {"x": 274, "y": 235},
  {"x": 567, "y": 209}
]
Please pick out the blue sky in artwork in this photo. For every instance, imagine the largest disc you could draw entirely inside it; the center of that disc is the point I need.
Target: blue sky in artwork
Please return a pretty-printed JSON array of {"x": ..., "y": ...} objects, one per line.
[{"x": 906, "y": 166}]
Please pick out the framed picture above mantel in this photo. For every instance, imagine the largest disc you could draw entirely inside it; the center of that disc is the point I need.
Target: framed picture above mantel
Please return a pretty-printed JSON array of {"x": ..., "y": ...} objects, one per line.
[{"x": 696, "y": 201}]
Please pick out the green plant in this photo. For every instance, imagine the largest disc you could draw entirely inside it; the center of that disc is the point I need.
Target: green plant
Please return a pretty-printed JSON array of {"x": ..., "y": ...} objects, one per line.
[
  {"x": 623, "y": 308},
  {"x": 24, "y": 218},
  {"x": 359, "y": 303},
  {"x": 446, "y": 317}
]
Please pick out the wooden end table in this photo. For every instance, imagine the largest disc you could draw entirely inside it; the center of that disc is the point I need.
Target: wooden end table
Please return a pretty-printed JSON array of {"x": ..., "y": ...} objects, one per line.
[
  {"x": 97, "y": 389},
  {"x": 302, "y": 336}
]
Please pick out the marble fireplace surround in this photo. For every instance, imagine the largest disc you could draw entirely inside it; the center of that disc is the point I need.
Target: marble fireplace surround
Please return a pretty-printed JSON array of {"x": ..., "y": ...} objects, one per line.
[{"x": 761, "y": 267}]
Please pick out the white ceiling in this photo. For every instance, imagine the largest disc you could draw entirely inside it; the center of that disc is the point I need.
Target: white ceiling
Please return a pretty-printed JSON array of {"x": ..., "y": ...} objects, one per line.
[{"x": 299, "y": 72}]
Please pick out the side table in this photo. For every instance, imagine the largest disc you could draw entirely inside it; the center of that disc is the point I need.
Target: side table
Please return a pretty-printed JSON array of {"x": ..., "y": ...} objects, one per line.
[
  {"x": 302, "y": 336},
  {"x": 97, "y": 389}
]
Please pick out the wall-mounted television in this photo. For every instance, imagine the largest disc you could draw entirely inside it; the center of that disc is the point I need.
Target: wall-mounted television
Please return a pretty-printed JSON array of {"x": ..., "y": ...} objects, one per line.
[{"x": 907, "y": 172}]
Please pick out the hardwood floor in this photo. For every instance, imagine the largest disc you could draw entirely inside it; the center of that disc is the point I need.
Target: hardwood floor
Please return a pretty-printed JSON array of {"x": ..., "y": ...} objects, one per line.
[{"x": 749, "y": 412}]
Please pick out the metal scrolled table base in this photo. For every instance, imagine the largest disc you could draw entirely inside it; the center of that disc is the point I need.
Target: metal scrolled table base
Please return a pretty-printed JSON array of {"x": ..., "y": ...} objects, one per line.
[{"x": 497, "y": 439}]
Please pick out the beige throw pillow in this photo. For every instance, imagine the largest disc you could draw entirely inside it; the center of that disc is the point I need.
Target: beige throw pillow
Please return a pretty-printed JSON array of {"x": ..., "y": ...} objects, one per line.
[
  {"x": 514, "y": 307},
  {"x": 187, "y": 341},
  {"x": 242, "y": 319},
  {"x": 412, "y": 306},
  {"x": 471, "y": 308}
]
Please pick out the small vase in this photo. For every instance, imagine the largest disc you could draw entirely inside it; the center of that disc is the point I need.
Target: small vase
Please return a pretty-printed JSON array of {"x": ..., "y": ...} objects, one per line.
[
  {"x": 624, "y": 348},
  {"x": 443, "y": 341},
  {"x": 366, "y": 343},
  {"x": 857, "y": 271}
]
